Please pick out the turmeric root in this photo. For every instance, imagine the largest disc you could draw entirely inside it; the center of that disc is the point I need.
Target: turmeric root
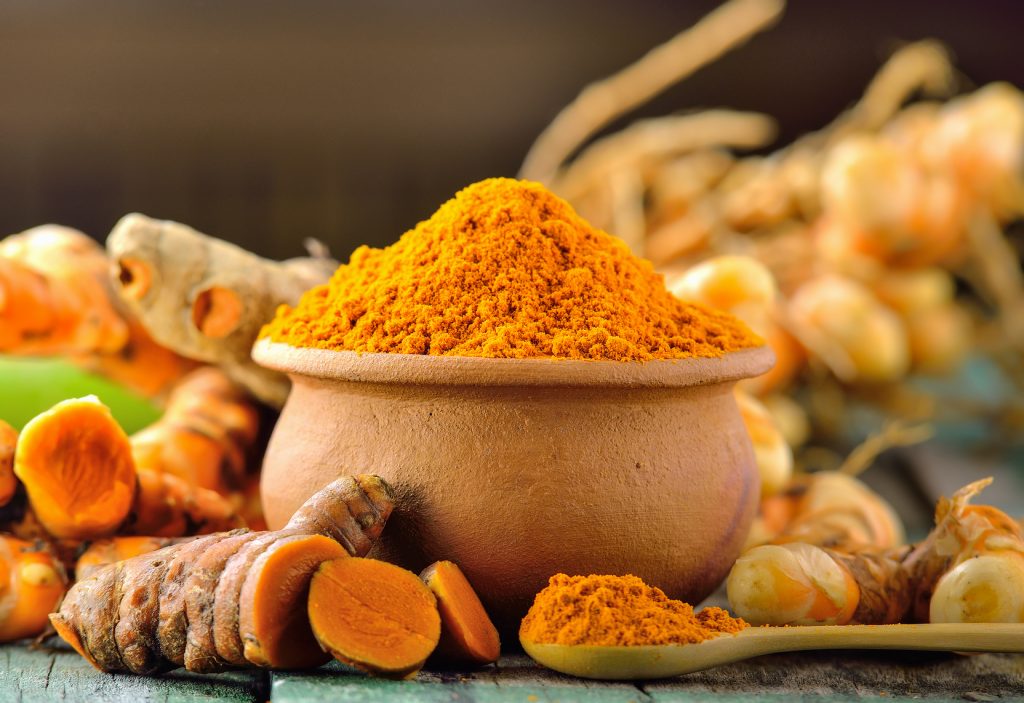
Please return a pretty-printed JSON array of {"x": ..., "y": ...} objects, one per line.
[
  {"x": 76, "y": 464},
  {"x": 206, "y": 435},
  {"x": 8, "y": 481},
  {"x": 56, "y": 299},
  {"x": 373, "y": 615},
  {"x": 970, "y": 568},
  {"x": 216, "y": 601},
  {"x": 32, "y": 582},
  {"x": 363, "y": 498},
  {"x": 205, "y": 298},
  {"x": 467, "y": 633},
  {"x": 803, "y": 584},
  {"x": 114, "y": 549}
]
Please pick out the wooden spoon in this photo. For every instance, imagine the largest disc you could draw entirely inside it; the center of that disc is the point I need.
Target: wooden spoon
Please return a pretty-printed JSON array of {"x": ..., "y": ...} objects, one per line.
[{"x": 661, "y": 661}]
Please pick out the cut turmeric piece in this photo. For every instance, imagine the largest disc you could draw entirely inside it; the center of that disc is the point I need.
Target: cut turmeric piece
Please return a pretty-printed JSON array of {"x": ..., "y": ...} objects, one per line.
[
  {"x": 272, "y": 622},
  {"x": 467, "y": 633},
  {"x": 374, "y": 615},
  {"x": 76, "y": 464},
  {"x": 226, "y": 638},
  {"x": 8, "y": 481},
  {"x": 32, "y": 582}
]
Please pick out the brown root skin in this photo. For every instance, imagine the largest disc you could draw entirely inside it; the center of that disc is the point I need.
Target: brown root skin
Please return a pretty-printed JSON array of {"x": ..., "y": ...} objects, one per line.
[
  {"x": 114, "y": 549},
  {"x": 374, "y": 615},
  {"x": 205, "y": 298},
  {"x": 136, "y": 629},
  {"x": 200, "y": 592},
  {"x": 467, "y": 634},
  {"x": 272, "y": 621},
  {"x": 885, "y": 592},
  {"x": 75, "y": 462},
  {"x": 351, "y": 510}
]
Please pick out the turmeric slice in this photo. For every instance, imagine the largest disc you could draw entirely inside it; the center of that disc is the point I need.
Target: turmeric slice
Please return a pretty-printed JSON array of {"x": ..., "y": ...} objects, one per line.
[
  {"x": 8, "y": 481},
  {"x": 272, "y": 622},
  {"x": 32, "y": 582},
  {"x": 374, "y": 615},
  {"x": 75, "y": 462},
  {"x": 467, "y": 633},
  {"x": 113, "y": 549}
]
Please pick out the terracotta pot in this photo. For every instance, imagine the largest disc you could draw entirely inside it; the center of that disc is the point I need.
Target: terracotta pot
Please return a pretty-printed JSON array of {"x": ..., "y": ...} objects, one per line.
[{"x": 519, "y": 469}]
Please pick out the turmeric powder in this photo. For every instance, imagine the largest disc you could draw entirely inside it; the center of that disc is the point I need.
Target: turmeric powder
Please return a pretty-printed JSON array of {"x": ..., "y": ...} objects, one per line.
[
  {"x": 615, "y": 611},
  {"x": 505, "y": 269}
]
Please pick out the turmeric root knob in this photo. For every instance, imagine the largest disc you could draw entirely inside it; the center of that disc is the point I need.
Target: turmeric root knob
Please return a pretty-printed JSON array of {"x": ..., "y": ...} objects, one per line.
[
  {"x": 374, "y": 615},
  {"x": 76, "y": 464},
  {"x": 31, "y": 584}
]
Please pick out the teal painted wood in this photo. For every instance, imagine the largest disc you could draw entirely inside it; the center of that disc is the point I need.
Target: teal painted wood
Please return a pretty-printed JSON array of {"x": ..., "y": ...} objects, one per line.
[{"x": 28, "y": 676}]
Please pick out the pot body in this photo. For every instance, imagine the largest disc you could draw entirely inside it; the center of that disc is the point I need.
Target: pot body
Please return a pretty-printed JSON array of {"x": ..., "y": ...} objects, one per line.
[{"x": 515, "y": 483}]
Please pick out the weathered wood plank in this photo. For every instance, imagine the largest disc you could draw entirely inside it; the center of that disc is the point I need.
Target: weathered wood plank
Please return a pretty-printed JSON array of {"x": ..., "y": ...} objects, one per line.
[
  {"x": 518, "y": 679},
  {"x": 62, "y": 675}
]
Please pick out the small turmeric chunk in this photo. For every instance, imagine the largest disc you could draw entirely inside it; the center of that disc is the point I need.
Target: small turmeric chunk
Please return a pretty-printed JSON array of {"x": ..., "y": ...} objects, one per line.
[
  {"x": 115, "y": 549},
  {"x": 76, "y": 464},
  {"x": 32, "y": 582},
  {"x": 374, "y": 615},
  {"x": 467, "y": 633}
]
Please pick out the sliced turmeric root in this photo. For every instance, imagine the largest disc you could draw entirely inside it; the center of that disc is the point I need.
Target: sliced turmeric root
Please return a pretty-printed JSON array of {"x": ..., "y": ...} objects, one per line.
[
  {"x": 467, "y": 633},
  {"x": 76, "y": 464},
  {"x": 351, "y": 511},
  {"x": 272, "y": 621},
  {"x": 31, "y": 584},
  {"x": 374, "y": 615}
]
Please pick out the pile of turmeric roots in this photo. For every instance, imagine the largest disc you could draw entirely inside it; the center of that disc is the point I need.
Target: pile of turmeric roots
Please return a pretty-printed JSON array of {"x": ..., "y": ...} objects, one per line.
[{"x": 831, "y": 552}]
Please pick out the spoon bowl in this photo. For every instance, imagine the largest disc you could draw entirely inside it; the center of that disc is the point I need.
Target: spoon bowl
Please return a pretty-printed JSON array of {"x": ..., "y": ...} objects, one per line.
[{"x": 664, "y": 661}]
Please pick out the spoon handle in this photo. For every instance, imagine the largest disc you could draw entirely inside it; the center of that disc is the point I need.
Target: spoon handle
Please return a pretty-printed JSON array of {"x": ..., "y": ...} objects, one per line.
[{"x": 962, "y": 637}]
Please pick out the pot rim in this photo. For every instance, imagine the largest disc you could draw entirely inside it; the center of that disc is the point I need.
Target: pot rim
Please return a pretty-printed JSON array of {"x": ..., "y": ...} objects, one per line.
[{"x": 421, "y": 369}]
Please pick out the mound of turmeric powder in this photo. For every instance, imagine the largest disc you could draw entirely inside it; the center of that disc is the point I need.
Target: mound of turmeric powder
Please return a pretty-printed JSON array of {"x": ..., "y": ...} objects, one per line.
[
  {"x": 505, "y": 269},
  {"x": 618, "y": 610}
]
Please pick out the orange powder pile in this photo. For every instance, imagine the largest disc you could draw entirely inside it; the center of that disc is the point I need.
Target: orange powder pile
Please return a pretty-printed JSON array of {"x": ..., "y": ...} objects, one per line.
[
  {"x": 505, "y": 269},
  {"x": 618, "y": 610}
]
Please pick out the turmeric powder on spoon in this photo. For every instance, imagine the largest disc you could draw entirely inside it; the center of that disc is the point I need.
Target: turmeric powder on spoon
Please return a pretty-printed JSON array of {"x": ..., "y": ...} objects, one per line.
[{"x": 506, "y": 269}]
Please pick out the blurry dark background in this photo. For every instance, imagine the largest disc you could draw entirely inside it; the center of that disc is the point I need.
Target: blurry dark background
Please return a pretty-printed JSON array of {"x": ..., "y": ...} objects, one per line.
[{"x": 264, "y": 122}]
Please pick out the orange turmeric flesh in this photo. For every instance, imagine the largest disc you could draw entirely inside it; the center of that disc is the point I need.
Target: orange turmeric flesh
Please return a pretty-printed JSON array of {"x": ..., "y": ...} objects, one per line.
[
  {"x": 76, "y": 464},
  {"x": 273, "y": 625},
  {"x": 374, "y": 615},
  {"x": 467, "y": 633},
  {"x": 32, "y": 582},
  {"x": 8, "y": 481}
]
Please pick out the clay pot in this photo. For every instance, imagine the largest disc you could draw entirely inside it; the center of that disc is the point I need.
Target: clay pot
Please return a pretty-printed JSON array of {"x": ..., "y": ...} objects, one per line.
[{"x": 520, "y": 469}]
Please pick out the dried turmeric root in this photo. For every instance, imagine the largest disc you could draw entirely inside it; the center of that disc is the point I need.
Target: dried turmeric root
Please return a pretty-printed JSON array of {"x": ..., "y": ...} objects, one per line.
[
  {"x": 76, "y": 464},
  {"x": 467, "y": 633},
  {"x": 32, "y": 582},
  {"x": 205, "y": 298},
  {"x": 206, "y": 435},
  {"x": 222, "y": 600},
  {"x": 114, "y": 549},
  {"x": 374, "y": 615},
  {"x": 56, "y": 299}
]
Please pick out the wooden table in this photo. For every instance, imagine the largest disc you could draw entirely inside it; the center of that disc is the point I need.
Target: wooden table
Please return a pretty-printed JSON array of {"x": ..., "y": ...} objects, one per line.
[{"x": 61, "y": 675}]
